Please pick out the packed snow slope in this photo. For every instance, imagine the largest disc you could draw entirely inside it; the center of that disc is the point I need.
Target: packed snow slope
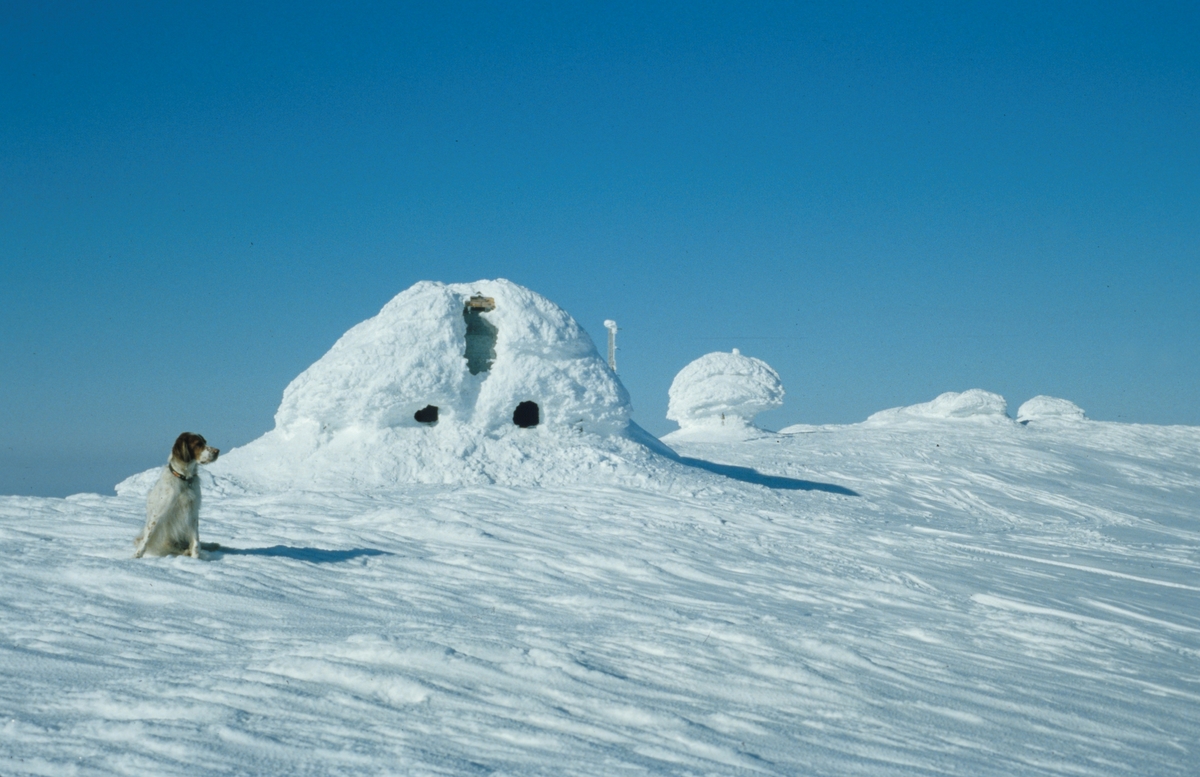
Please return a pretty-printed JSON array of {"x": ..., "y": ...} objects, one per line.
[{"x": 934, "y": 592}]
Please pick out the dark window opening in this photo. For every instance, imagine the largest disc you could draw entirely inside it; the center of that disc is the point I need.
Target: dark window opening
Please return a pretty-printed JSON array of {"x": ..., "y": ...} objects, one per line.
[
  {"x": 481, "y": 335},
  {"x": 426, "y": 415},
  {"x": 526, "y": 415}
]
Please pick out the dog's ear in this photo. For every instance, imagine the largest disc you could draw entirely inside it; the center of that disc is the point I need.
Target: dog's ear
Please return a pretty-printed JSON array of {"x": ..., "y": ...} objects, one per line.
[
  {"x": 183, "y": 447},
  {"x": 198, "y": 444}
]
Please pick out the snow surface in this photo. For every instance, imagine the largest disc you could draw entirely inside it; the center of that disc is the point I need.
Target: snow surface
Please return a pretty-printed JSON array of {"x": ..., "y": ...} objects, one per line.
[
  {"x": 719, "y": 394},
  {"x": 922, "y": 596}
]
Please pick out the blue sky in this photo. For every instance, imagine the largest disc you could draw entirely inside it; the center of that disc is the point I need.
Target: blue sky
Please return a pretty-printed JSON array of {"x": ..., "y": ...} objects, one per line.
[{"x": 884, "y": 202}]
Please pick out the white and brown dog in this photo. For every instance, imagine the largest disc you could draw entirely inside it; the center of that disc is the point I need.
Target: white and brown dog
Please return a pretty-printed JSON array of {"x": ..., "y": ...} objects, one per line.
[{"x": 173, "y": 506}]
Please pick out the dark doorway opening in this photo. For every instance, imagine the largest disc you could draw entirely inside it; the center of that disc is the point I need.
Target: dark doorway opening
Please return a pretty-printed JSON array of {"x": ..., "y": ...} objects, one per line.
[
  {"x": 481, "y": 335},
  {"x": 426, "y": 415},
  {"x": 526, "y": 415}
]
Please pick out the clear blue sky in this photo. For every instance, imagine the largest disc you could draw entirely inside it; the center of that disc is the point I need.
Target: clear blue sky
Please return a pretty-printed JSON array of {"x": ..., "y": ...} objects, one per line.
[{"x": 884, "y": 202}]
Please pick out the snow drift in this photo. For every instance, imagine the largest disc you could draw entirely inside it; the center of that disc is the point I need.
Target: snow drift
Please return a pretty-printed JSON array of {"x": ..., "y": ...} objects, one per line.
[
  {"x": 1044, "y": 408},
  {"x": 974, "y": 404}
]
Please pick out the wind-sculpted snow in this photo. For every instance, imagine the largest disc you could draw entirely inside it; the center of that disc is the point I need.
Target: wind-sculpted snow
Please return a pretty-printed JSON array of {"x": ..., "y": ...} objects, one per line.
[
  {"x": 719, "y": 394},
  {"x": 921, "y": 598},
  {"x": 1044, "y": 408},
  {"x": 975, "y": 404}
]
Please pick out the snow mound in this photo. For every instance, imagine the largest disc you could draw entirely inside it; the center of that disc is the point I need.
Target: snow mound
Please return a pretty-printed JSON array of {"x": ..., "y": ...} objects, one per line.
[
  {"x": 477, "y": 383},
  {"x": 1044, "y": 408},
  {"x": 974, "y": 404},
  {"x": 723, "y": 390}
]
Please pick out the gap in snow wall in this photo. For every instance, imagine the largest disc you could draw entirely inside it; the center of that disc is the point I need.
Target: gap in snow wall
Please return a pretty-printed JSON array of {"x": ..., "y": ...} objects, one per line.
[{"x": 481, "y": 334}]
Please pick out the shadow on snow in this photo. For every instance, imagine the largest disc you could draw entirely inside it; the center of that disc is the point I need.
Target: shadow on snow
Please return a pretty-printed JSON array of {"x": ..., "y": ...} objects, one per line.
[
  {"x": 748, "y": 475},
  {"x": 312, "y": 555}
]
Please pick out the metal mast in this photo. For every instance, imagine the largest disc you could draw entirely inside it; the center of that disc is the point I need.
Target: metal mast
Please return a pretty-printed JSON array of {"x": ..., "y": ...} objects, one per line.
[{"x": 611, "y": 326}]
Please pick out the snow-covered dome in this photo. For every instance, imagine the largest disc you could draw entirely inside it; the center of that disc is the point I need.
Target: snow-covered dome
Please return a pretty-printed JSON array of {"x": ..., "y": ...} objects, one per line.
[
  {"x": 474, "y": 351},
  {"x": 1044, "y": 408},
  {"x": 974, "y": 403},
  {"x": 723, "y": 387},
  {"x": 484, "y": 382}
]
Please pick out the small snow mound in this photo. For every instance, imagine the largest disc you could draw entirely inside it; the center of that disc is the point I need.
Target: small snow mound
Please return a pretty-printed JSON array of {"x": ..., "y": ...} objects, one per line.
[
  {"x": 1044, "y": 408},
  {"x": 800, "y": 429},
  {"x": 723, "y": 390},
  {"x": 974, "y": 403},
  {"x": 138, "y": 485}
]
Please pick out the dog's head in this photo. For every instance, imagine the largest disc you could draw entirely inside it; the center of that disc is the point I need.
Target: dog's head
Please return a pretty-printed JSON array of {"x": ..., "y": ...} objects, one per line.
[{"x": 192, "y": 447}]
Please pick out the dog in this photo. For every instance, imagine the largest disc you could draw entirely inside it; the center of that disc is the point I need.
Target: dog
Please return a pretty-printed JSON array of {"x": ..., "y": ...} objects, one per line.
[{"x": 173, "y": 505}]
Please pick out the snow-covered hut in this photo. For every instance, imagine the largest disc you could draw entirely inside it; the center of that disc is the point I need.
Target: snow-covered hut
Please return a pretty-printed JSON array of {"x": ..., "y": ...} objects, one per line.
[
  {"x": 483, "y": 382},
  {"x": 486, "y": 355}
]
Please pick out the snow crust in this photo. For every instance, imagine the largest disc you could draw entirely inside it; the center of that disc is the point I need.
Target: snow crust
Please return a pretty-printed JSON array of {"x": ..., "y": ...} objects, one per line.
[
  {"x": 720, "y": 393},
  {"x": 974, "y": 404},
  {"x": 1044, "y": 408},
  {"x": 349, "y": 418}
]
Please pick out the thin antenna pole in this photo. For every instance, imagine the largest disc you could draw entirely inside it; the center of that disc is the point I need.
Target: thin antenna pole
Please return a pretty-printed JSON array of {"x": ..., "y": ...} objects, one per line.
[{"x": 611, "y": 326}]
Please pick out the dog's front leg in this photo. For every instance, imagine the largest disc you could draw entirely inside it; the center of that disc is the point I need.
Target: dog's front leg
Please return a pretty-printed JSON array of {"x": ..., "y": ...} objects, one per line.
[
  {"x": 194, "y": 528},
  {"x": 139, "y": 545}
]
